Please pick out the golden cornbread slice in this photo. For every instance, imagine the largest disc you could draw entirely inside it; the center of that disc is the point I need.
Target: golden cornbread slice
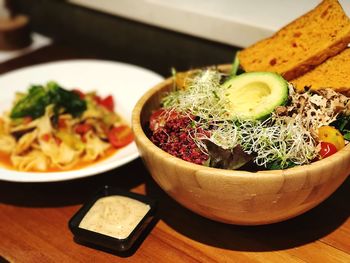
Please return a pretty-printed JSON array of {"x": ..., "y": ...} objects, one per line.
[
  {"x": 301, "y": 45},
  {"x": 333, "y": 73}
]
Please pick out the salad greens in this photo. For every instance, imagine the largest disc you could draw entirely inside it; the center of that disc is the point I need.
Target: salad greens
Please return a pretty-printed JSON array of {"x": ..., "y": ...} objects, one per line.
[
  {"x": 225, "y": 158},
  {"x": 343, "y": 125},
  {"x": 34, "y": 103},
  {"x": 235, "y": 66},
  {"x": 286, "y": 137}
]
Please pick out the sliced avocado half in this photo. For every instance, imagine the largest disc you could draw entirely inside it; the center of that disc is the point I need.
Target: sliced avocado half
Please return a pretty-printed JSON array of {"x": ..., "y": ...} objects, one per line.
[{"x": 254, "y": 95}]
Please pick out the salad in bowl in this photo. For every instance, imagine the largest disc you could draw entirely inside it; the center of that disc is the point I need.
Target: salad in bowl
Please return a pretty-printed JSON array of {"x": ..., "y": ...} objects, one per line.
[
  {"x": 243, "y": 148},
  {"x": 249, "y": 121}
]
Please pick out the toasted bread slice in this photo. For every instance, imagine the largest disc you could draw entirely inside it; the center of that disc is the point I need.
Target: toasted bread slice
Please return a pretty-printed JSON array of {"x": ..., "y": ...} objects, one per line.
[
  {"x": 301, "y": 45},
  {"x": 333, "y": 73}
]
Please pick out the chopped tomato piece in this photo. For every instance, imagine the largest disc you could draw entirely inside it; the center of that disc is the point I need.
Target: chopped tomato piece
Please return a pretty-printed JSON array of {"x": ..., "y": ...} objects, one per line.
[
  {"x": 79, "y": 93},
  {"x": 62, "y": 123},
  {"x": 154, "y": 120},
  {"x": 58, "y": 140},
  {"x": 82, "y": 128},
  {"x": 83, "y": 138},
  {"x": 159, "y": 118},
  {"x": 46, "y": 137},
  {"x": 327, "y": 149},
  {"x": 108, "y": 103},
  {"x": 97, "y": 99},
  {"x": 27, "y": 120},
  {"x": 120, "y": 136}
]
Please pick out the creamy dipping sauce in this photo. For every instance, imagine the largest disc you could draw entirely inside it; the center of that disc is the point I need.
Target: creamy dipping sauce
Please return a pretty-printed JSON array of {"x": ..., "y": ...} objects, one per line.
[{"x": 115, "y": 216}]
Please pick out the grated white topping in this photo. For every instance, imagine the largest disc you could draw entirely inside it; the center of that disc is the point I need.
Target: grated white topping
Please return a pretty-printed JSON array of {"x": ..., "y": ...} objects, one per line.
[{"x": 317, "y": 109}]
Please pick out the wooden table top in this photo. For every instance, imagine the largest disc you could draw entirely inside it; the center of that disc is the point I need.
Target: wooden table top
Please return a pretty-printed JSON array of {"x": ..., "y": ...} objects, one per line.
[{"x": 34, "y": 219}]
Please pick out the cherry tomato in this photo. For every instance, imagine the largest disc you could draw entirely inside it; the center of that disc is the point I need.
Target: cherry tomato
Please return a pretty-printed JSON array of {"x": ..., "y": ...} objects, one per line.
[
  {"x": 108, "y": 103},
  {"x": 154, "y": 120},
  {"x": 327, "y": 149},
  {"x": 120, "y": 136},
  {"x": 331, "y": 135},
  {"x": 82, "y": 128},
  {"x": 160, "y": 117}
]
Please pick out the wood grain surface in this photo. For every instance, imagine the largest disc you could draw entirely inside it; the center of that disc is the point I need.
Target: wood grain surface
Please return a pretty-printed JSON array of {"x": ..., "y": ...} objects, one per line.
[{"x": 34, "y": 220}]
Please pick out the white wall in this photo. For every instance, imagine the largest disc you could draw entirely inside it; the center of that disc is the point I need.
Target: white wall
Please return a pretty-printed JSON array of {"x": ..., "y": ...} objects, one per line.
[{"x": 234, "y": 22}]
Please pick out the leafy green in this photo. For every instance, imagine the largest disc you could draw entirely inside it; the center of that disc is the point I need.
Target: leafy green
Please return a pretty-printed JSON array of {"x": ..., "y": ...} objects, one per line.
[
  {"x": 227, "y": 158},
  {"x": 347, "y": 136},
  {"x": 236, "y": 69},
  {"x": 343, "y": 125},
  {"x": 39, "y": 97},
  {"x": 279, "y": 165},
  {"x": 33, "y": 104},
  {"x": 235, "y": 66}
]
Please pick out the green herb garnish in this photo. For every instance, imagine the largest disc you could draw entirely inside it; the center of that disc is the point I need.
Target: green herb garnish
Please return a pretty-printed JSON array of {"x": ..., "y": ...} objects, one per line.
[{"x": 39, "y": 97}]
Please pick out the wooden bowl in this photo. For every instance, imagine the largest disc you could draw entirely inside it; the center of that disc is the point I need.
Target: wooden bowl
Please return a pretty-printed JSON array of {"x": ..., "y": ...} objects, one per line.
[{"x": 234, "y": 196}]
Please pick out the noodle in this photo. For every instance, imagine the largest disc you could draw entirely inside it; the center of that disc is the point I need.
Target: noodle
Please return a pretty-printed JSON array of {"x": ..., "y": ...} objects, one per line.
[{"x": 60, "y": 130}]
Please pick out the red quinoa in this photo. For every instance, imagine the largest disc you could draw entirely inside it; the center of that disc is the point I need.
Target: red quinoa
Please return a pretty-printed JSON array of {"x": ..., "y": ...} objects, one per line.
[{"x": 174, "y": 138}]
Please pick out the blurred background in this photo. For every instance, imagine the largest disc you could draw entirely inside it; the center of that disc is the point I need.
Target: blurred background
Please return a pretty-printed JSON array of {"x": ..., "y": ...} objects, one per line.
[{"x": 159, "y": 34}]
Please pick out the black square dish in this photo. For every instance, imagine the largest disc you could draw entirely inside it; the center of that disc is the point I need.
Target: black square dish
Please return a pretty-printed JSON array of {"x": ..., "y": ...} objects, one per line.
[{"x": 108, "y": 242}]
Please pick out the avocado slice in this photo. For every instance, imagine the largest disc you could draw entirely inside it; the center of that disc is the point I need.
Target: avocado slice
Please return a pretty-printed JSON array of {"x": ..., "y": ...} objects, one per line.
[{"x": 254, "y": 95}]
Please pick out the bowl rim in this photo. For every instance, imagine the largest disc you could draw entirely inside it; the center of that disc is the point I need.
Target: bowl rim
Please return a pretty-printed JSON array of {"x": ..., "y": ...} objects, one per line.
[{"x": 142, "y": 137}]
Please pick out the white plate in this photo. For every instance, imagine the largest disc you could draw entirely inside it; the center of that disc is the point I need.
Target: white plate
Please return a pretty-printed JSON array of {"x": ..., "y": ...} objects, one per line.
[{"x": 125, "y": 82}]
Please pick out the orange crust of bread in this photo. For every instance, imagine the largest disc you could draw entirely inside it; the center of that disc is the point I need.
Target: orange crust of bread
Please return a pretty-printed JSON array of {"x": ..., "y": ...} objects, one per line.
[{"x": 333, "y": 73}]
